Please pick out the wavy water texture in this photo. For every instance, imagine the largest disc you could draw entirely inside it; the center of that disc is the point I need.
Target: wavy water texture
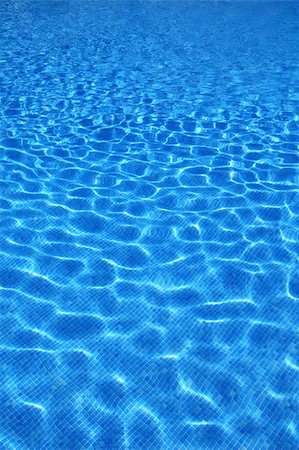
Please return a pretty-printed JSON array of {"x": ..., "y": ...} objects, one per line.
[{"x": 149, "y": 225}]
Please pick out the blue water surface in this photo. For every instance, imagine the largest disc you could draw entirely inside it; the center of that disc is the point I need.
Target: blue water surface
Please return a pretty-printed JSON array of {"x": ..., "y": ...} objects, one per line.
[{"x": 149, "y": 230}]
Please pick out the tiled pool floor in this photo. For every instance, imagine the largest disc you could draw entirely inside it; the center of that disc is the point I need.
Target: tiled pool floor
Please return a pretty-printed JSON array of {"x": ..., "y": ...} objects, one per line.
[{"x": 149, "y": 225}]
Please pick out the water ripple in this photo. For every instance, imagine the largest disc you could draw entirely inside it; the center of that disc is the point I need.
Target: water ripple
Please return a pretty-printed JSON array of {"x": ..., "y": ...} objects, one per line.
[{"x": 149, "y": 225}]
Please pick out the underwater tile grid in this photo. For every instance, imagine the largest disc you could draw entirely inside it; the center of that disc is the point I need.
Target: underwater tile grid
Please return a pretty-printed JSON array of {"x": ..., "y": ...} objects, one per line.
[{"x": 149, "y": 228}]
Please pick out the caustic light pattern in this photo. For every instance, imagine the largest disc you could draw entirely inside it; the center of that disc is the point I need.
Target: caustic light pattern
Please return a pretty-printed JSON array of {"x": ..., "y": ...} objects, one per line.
[{"x": 149, "y": 225}]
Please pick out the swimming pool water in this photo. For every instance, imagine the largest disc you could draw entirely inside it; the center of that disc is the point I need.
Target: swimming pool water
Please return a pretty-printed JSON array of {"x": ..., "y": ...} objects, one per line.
[{"x": 149, "y": 224}]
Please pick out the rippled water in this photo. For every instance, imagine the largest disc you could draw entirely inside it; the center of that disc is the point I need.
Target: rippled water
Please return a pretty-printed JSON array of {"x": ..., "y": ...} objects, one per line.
[{"x": 149, "y": 224}]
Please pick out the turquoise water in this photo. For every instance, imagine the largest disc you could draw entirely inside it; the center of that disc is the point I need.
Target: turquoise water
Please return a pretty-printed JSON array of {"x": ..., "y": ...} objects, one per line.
[{"x": 149, "y": 225}]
